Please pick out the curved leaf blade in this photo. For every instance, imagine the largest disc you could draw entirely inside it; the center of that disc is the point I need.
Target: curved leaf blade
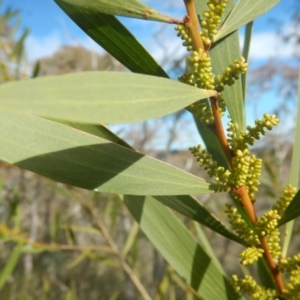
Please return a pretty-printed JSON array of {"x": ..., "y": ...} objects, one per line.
[
  {"x": 190, "y": 207},
  {"x": 128, "y": 8},
  {"x": 76, "y": 158},
  {"x": 11, "y": 263},
  {"x": 292, "y": 211},
  {"x": 264, "y": 274},
  {"x": 244, "y": 12},
  {"x": 114, "y": 37},
  {"x": 223, "y": 53},
  {"x": 294, "y": 172},
  {"x": 246, "y": 50},
  {"x": 93, "y": 97},
  {"x": 295, "y": 163},
  {"x": 180, "y": 249}
]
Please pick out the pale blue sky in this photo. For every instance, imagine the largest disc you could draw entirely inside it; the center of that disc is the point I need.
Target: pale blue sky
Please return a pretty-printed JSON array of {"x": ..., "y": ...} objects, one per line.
[{"x": 50, "y": 27}]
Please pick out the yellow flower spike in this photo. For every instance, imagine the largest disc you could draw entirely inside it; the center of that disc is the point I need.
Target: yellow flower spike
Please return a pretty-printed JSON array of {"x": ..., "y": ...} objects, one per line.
[
  {"x": 248, "y": 285},
  {"x": 240, "y": 226},
  {"x": 212, "y": 20},
  {"x": 250, "y": 255},
  {"x": 288, "y": 194},
  {"x": 267, "y": 223},
  {"x": 183, "y": 33}
]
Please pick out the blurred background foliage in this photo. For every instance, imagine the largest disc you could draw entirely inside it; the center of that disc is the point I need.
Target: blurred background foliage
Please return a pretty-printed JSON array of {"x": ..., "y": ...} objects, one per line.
[{"x": 60, "y": 242}]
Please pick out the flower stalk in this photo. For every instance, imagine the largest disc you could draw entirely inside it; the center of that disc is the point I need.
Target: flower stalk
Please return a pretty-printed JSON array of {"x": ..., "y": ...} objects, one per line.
[{"x": 241, "y": 192}]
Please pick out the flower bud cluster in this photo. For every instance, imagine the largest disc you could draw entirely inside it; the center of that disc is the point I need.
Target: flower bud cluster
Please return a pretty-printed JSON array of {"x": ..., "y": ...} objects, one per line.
[
  {"x": 267, "y": 226},
  {"x": 253, "y": 133},
  {"x": 202, "y": 111},
  {"x": 212, "y": 20},
  {"x": 249, "y": 286},
  {"x": 240, "y": 167},
  {"x": 273, "y": 240},
  {"x": 254, "y": 173},
  {"x": 288, "y": 194},
  {"x": 247, "y": 169},
  {"x": 231, "y": 73},
  {"x": 184, "y": 35},
  {"x": 213, "y": 170},
  {"x": 267, "y": 223},
  {"x": 250, "y": 255},
  {"x": 222, "y": 104},
  {"x": 204, "y": 78},
  {"x": 240, "y": 226},
  {"x": 201, "y": 77},
  {"x": 292, "y": 267},
  {"x": 203, "y": 70},
  {"x": 187, "y": 78},
  {"x": 289, "y": 264},
  {"x": 292, "y": 290}
]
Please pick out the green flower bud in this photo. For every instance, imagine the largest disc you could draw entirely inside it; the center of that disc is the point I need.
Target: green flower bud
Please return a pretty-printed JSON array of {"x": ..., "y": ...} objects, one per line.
[
  {"x": 250, "y": 255},
  {"x": 212, "y": 20},
  {"x": 248, "y": 285},
  {"x": 288, "y": 194}
]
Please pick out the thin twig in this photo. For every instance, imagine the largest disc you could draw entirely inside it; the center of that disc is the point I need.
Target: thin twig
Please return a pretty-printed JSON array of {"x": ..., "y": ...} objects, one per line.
[
  {"x": 219, "y": 130},
  {"x": 102, "y": 227}
]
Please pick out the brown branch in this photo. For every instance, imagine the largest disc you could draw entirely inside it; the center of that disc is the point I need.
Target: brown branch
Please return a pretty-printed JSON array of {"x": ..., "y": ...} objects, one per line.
[
  {"x": 219, "y": 130},
  {"x": 192, "y": 25},
  {"x": 277, "y": 276},
  {"x": 243, "y": 195}
]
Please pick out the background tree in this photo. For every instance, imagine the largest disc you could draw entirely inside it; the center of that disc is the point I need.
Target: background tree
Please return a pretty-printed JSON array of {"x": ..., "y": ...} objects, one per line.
[
  {"x": 69, "y": 59},
  {"x": 12, "y": 55}
]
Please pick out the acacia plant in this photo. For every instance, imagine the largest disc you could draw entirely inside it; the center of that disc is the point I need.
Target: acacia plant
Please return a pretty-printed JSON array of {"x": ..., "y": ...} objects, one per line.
[{"x": 51, "y": 126}]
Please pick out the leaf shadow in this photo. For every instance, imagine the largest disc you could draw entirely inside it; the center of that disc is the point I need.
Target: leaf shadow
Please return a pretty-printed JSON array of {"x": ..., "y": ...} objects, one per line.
[{"x": 89, "y": 166}]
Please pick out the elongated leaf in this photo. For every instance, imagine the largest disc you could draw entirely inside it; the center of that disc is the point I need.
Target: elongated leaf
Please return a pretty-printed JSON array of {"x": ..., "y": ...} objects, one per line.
[
  {"x": 244, "y": 12},
  {"x": 109, "y": 33},
  {"x": 294, "y": 172},
  {"x": 295, "y": 163},
  {"x": 76, "y": 158},
  {"x": 193, "y": 209},
  {"x": 10, "y": 264},
  {"x": 292, "y": 211},
  {"x": 128, "y": 8},
  {"x": 94, "y": 97},
  {"x": 180, "y": 249},
  {"x": 246, "y": 49},
  {"x": 223, "y": 54}
]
